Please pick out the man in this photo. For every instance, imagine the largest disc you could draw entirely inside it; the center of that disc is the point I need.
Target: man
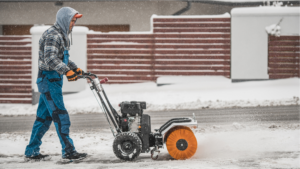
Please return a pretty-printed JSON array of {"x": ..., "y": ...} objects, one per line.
[{"x": 53, "y": 64}]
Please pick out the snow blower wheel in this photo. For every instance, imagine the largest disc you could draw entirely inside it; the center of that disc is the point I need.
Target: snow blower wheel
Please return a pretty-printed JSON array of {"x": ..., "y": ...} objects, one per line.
[
  {"x": 127, "y": 146},
  {"x": 181, "y": 143},
  {"x": 154, "y": 154}
]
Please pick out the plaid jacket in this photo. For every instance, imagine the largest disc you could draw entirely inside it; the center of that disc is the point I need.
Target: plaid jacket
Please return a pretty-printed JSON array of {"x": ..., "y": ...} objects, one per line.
[{"x": 51, "y": 51}]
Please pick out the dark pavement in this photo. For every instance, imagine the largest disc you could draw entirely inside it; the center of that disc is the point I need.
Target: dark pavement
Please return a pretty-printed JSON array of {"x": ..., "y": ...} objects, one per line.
[{"x": 203, "y": 116}]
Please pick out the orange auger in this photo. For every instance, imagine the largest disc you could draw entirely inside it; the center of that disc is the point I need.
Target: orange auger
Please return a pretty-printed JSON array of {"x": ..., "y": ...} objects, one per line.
[{"x": 181, "y": 142}]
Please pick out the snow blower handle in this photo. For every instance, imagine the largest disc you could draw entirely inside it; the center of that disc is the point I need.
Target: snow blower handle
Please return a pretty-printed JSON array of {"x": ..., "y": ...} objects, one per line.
[
  {"x": 104, "y": 80},
  {"x": 88, "y": 74}
]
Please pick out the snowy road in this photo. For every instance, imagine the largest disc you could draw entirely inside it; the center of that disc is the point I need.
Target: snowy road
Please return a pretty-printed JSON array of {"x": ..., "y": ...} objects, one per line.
[
  {"x": 261, "y": 137},
  {"x": 212, "y": 116},
  {"x": 227, "y": 146}
]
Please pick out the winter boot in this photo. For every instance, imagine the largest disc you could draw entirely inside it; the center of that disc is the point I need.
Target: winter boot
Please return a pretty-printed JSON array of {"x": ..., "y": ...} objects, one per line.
[
  {"x": 75, "y": 156},
  {"x": 39, "y": 157}
]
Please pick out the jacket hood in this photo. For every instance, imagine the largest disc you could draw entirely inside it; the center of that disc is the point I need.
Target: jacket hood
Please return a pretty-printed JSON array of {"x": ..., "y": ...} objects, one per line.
[{"x": 63, "y": 19}]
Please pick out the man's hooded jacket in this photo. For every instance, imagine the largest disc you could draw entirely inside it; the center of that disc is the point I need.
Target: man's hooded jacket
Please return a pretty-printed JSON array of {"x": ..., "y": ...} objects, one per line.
[{"x": 54, "y": 41}]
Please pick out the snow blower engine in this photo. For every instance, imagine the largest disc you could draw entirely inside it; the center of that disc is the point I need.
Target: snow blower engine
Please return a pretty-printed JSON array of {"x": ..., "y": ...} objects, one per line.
[{"x": 132, "y": 129}]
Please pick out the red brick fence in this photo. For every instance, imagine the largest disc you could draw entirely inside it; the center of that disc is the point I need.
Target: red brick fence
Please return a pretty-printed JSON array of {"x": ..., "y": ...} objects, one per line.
[
  {"x": 15, "y": 69},
  {"x": 177, "y": 46},
  {"x": 284, "y": 57}
]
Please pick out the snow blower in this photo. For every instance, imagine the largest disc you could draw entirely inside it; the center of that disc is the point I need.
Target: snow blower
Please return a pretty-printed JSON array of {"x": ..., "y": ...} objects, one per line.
[{"x": 132, "y": 129}]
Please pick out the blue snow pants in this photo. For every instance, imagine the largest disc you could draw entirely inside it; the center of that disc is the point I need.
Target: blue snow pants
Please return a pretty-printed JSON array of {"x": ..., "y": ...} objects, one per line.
[{"x": 51, "y": 108}]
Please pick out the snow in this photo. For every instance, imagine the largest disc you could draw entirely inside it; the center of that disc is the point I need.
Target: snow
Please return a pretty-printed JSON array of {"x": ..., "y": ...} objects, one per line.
[
  {"x": 27, "y": 39},
  {"x": 247, "y": 1},
  {"x": 29, "y": 36},
  {"x": 265, "y": 11},
  {"x": 116, "y": 42},
  {"x": 274, "y": 30},
  {"x": 252, "y": 146},
  {"x": 40, "y": 29},
  {"x": 277, "y": 4},
  {"x": 185, "y": 92},
  {"x": 120, "y": 32},
  {"x": 225, "y": 15}
]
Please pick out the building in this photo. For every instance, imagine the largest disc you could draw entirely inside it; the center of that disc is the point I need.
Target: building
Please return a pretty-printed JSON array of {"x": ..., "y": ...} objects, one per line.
[{"x": 18, "y": 16}]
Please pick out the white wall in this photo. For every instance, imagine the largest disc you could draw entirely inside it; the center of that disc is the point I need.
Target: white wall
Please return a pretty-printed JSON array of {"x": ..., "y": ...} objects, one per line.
[
  {"x": 249, "y": 39},
  {"x": 77, "y": 54}
]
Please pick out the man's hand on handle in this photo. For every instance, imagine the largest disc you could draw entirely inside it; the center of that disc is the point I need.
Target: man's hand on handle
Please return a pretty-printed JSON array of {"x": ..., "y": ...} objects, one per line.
[
  {"x": 71, "y": 75},
  {"x": 78, "y": 71}
]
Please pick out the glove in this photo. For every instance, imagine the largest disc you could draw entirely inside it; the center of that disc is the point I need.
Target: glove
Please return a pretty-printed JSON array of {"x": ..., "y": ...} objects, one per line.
[
  {"x": 78, "y": 71},
  {"x": 71, "y": 75}
]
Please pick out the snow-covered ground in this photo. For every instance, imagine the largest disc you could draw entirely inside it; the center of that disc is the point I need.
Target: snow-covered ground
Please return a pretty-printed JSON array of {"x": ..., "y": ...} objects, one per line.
[
  {"x": 227, "y": 146},
  {"x": 194, "y": 92},
  {"x": 236, "y": 145}
]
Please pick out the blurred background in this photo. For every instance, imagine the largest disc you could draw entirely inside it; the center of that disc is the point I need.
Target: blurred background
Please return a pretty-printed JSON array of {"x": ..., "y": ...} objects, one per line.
[{"x": 18, "y": 16}]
